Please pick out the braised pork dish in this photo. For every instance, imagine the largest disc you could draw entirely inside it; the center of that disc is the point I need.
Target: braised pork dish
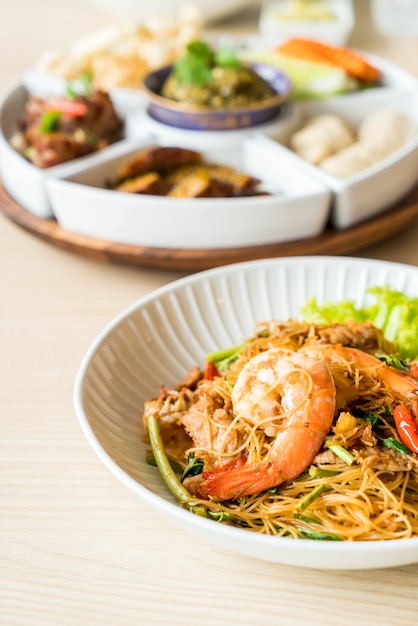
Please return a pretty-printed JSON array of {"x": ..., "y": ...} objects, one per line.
[
  {"x": 58, "y": 130},
  {"x": 182, "y": 173}
]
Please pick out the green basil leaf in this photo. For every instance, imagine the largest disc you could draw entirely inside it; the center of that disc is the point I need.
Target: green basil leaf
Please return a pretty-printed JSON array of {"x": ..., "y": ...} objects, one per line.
[
  {"x": 394, "y": 361},
  {"x": 193, "y": 468},
  {"x": 82, "y": 86},
  {"x": 394, "y": 444},
  {"x": 49, "y": 122},
  {"x": 371, "y": 418}
]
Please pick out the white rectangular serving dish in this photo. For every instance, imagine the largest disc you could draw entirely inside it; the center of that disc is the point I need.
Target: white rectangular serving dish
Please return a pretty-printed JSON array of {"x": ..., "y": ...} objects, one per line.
[
  {"x": 372, "y": 191},
  {"x": 298, "y": 207}
]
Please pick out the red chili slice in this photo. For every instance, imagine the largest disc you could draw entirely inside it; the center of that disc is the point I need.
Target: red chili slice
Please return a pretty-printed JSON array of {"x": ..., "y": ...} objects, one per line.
[
  {"x": 407, "y": 427},
  {"x": 414, "y": 369},
  {"x": 211, "y": 371},
  {"x": 67, "y": 107}
]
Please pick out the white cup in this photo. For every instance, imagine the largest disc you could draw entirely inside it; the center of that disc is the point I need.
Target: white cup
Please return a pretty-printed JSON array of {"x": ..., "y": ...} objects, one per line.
[{"x": 396, "y": 18}]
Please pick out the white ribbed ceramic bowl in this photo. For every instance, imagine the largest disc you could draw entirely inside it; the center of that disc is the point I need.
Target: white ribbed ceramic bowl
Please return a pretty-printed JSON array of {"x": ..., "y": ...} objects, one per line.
[{"x": 161, "y": 336}]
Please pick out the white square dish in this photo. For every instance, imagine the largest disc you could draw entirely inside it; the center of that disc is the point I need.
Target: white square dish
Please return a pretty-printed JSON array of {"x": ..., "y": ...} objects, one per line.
[
  {"x": 24, "y": 181},
  {"x": 365, "y": 194},
  {"x": 297, "y": 208}
]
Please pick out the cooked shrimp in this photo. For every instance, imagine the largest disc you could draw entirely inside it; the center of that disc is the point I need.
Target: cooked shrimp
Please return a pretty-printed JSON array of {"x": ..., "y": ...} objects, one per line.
[
  {"x": 288, "y": 395},
  {"x": 403, "y": 385}
]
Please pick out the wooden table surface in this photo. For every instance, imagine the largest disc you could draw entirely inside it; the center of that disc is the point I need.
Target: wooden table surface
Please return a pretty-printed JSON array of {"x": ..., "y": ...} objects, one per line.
[{"x": 77, "y": 548}]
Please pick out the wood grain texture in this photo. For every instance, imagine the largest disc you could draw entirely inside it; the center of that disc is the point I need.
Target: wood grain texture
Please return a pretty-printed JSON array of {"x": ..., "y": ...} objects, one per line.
[
  {"x": 330, "y": 242},
  {"x": 76, "y": 547}
]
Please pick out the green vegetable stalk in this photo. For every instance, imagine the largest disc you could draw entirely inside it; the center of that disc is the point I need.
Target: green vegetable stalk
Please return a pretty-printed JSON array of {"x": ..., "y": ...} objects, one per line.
[
  {"x": 173, "y": 483},
  {"x": 163, "y": 464},
  {"x": 313, "y": 534},
  {"x": 223, "y": 358},
  {"x": 341, "y": 452},
  {"x": 317, "y": 472},
  {"x": 311, "y": 497}
]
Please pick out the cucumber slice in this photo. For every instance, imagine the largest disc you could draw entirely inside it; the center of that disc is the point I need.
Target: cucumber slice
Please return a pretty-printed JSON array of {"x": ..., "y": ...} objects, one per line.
[{"x": 309, "y": 80}]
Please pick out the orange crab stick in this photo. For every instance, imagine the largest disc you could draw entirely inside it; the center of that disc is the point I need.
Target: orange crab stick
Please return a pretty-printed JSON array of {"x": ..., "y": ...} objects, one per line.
[{"x": 316, "y": 51}]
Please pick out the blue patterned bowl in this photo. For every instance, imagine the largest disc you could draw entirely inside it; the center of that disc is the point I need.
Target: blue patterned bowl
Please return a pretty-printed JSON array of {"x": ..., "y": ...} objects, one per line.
[{"x": 196, "y": 117}]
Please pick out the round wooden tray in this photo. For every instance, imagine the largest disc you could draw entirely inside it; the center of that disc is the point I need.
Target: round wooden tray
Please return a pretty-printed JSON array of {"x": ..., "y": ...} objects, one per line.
[{"x": 330, "y": 242}]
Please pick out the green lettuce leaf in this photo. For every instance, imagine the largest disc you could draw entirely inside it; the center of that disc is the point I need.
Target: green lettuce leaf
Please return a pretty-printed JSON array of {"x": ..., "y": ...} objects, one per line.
[{"x": 394, "y": 312}]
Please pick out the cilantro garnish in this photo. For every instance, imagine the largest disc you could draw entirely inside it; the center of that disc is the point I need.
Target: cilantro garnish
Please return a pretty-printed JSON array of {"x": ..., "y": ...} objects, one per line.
[
  {"x": 82, "y": 86},
  {"x": 190, "y": 70},
  {"x": 226, "y": 57},
  {"x": 195, "y": 67}
]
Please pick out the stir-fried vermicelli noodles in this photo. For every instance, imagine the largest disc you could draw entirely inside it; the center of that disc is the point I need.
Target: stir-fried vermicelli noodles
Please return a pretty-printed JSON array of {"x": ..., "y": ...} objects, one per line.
[{"x": 304, "y": 430}]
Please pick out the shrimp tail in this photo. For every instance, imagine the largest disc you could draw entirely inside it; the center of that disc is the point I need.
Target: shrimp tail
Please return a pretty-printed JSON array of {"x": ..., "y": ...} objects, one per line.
[{"x": 229, "y": 484}]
